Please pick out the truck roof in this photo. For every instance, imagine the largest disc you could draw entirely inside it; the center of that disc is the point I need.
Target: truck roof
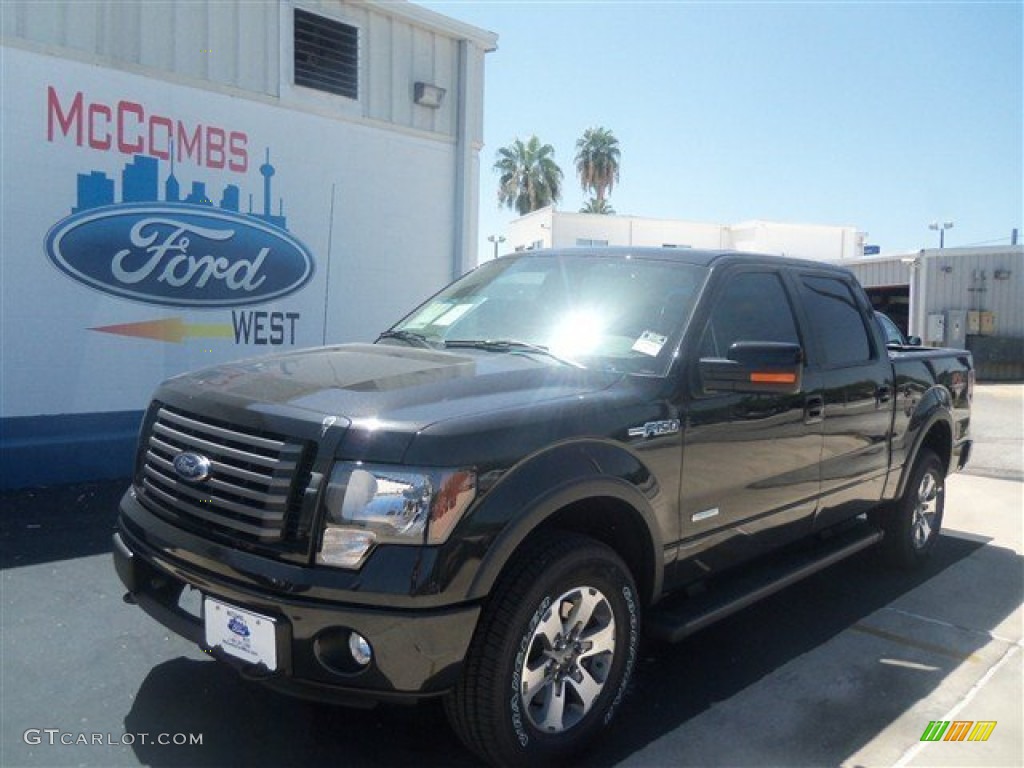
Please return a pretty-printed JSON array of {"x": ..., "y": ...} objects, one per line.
[{"x": 698, "y": 256}]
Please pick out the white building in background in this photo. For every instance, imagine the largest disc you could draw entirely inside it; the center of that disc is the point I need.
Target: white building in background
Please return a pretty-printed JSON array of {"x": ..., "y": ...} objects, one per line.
[
  {"x": 968, "y": 298},
  {"x": 188, "y": 182},
  {"x": 550, "y": 228}
]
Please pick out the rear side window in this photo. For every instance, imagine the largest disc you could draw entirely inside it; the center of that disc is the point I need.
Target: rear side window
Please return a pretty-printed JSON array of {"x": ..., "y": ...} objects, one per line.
[
  {"x": 753, "y": 307},
  {"x": 837, "y": 320}
]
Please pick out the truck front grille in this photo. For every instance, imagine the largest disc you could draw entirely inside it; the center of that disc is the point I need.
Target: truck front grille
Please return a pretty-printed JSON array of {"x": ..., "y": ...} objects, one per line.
[{"x": 253, "y": 481}]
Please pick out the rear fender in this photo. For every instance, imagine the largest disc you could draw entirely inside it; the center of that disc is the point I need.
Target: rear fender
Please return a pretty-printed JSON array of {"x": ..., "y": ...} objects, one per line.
[{"x": 931, "y": 424}]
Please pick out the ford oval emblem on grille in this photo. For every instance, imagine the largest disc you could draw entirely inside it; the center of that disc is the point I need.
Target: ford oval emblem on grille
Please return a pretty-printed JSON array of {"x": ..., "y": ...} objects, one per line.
[{"x": 192, "y": 466}]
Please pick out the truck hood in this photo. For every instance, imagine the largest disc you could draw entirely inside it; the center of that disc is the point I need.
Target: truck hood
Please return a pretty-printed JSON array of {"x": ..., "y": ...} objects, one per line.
[{"x": 393, "y": 392}]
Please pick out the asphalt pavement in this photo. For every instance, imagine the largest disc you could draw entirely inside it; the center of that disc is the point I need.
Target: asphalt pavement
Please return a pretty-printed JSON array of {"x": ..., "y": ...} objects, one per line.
[{"x": 847, "y": 668}]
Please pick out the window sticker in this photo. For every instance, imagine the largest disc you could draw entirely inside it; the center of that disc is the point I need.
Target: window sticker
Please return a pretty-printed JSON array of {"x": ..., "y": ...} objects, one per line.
[
  {"x": 428, "y": 315},
  {"x": 649, "y": 343},
  {"x": 453, "y": 314}
]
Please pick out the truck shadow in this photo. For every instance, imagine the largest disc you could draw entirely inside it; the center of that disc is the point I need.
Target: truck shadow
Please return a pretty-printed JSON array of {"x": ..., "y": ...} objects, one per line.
[
  {"x": 245, "y": 724},
  {"x": 42, "y": 525},
  {"x": 717, "y": 664}
]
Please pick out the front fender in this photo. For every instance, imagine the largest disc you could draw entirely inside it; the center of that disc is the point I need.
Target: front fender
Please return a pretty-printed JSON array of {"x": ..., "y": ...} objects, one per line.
[{"x": 540, "y": 486}]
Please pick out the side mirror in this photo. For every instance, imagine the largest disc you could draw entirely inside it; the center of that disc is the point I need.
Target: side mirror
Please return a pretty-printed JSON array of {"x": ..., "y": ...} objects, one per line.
[
  {"x": 755, "y": 367},
  {"x": 914, "y": 341}
]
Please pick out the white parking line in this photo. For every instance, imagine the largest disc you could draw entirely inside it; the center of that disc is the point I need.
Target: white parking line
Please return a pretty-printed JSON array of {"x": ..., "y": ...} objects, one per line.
[{"x": 911, "y": 753}]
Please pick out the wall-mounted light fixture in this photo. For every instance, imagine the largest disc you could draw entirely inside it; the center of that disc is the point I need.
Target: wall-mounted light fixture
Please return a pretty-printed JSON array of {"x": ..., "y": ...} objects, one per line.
[
  {"x": 1001, "y": 274},
  {"x": 428, "y": 95}
]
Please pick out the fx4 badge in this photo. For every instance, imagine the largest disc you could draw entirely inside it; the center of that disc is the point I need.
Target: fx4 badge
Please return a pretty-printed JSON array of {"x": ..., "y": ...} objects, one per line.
[{"x": 655, "y": 429}]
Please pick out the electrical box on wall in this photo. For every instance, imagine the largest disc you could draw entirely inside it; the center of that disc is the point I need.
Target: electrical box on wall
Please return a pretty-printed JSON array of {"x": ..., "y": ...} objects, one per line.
[
  {"x": 956, "y": 328},
  {"x": 936, "y": 329},
  {"x": 974, "y": 322},
  {"x": 988, "y": 323}
]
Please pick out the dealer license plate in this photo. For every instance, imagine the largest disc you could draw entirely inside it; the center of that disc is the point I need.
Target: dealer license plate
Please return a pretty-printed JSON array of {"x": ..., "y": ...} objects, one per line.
[{"x": 240, "y": 633}]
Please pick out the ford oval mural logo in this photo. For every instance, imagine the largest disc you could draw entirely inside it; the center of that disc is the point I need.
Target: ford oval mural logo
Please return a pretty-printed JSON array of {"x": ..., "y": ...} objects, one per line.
[{"x": 179, "y": 255}]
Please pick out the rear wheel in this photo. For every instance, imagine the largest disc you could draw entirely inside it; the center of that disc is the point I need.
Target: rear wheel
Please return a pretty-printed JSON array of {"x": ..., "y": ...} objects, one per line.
[
  {"x": 553, "y": 655},
  {"x": 912, "y": 525}
]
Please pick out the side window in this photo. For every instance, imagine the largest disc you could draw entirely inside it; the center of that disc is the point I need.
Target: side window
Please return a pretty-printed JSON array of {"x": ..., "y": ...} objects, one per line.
[
  {"x": 753, "y": 307},
  {"x": 892, "y": 334},
  {"x": 837, "y": 320}
]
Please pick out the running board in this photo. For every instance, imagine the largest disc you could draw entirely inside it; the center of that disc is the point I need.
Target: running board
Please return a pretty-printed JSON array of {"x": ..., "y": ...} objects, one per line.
[{"x": 677, "y": 618}]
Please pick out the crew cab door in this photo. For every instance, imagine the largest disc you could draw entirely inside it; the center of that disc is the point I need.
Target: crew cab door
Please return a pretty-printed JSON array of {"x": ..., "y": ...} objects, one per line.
[
  {"x": 857, "y": 390},
  {"x": 750, "y": 460}
]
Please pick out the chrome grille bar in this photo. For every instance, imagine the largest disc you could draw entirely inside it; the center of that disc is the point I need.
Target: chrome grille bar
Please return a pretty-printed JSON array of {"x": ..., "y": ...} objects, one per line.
[
  {"x": 250, "y": 478},
  {"x": 186, "y": 441}
]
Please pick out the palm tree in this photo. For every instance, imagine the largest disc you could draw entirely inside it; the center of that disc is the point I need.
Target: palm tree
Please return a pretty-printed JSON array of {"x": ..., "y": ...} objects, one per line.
[
  {"x": 530, "y": 177},
  {"x": 597, "y": 161},
  {"x": 597, "y": 206}
]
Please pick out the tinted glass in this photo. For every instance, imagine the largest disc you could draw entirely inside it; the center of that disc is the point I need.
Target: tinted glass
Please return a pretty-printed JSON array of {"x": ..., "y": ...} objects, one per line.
[
  {"x": 837, "y": 320},
  {"x": 893, "y": 335},
  {"x": 753, "y": 307}
]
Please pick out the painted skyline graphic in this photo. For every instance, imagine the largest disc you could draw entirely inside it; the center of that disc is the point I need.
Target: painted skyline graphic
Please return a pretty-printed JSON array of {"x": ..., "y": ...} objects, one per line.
[{"x": 140, "y": 183}]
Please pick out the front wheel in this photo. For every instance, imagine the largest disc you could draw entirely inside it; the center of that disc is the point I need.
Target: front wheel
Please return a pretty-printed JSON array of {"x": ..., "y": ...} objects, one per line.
[
  {"x": 912, "y": 525},
  {"x": 553, "y": 655}
]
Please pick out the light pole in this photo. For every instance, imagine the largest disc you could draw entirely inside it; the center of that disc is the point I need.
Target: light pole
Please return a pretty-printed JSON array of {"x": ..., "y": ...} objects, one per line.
[
  {"x": 496, "y": 239},
  {"x": 941, "y": 229},
  {"x": 915, "y": 313}
]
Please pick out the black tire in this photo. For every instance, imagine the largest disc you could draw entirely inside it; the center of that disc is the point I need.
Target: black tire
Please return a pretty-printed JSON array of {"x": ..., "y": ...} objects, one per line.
[
  {"x": 528, "y": 631},
  {"x": 913, "y": 522}
]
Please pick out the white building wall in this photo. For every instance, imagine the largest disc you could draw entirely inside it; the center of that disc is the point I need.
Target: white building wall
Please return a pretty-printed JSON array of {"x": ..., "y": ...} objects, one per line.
[
  {"x": 375, "y": 196},
  {"x": 955, "y": 279},
  {"x": 804, "y": 241},
  {"x": 568, "y": 228},
  {"x": 247, "y": 45},
  {"x": 882, "y": 272},
  {"x": 979, "y": 280},
  {"x": 338, "y": 203},
  {"x": 562, "y": 230}
]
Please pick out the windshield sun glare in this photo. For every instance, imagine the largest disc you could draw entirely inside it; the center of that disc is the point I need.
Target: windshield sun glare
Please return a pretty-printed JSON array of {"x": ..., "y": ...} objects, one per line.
[{"x": 597, "y": 311}]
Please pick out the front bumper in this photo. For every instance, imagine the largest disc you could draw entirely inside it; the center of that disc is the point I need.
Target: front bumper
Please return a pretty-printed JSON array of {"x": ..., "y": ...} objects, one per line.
[{"x": 416, "y": 653}]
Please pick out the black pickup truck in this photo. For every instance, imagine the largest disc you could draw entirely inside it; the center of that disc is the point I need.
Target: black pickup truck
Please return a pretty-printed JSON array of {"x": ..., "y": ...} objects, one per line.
[{"x": 559, "y": 448}]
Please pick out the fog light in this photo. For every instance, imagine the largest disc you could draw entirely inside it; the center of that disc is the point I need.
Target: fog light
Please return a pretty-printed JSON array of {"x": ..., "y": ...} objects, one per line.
[{"x": 360, "y": 649}]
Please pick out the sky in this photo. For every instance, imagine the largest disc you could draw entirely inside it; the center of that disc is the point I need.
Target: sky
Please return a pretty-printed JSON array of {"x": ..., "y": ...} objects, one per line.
[{"x": 881, "y": 116}]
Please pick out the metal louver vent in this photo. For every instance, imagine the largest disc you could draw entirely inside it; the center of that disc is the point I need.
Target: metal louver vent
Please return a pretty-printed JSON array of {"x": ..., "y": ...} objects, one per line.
[{"x": 326, "y": 55}]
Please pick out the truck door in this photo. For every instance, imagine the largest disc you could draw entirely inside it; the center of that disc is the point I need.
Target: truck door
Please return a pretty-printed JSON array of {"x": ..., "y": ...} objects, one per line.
[
  {"x": 857, "y": 395},
  {"x": 750, "y": 461}
]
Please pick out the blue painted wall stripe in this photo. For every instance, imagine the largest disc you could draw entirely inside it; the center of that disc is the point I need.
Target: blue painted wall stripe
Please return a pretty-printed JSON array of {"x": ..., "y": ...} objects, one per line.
[{"x": 67, "y": 448}]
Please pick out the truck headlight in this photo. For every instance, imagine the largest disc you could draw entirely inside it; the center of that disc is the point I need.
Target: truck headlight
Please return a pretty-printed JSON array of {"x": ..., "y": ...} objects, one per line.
[{"x": 368, "y": 504}]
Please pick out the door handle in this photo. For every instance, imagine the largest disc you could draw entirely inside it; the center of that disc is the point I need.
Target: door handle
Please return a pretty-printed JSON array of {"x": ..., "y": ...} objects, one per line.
[{"x": 814, "y": 409}]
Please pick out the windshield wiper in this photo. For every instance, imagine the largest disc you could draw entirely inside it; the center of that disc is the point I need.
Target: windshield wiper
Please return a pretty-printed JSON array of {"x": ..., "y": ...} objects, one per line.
[
  {"x": 409, "y": 337},
  {"x": 508, "y": 345}
]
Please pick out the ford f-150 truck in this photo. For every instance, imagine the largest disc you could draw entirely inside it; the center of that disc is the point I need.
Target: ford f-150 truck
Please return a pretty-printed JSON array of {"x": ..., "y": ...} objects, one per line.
[{"x": 561, "y": 447}]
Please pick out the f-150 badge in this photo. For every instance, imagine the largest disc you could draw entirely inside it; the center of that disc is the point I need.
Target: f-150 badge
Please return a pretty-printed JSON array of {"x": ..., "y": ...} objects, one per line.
[{"x": 655, "y": 429}]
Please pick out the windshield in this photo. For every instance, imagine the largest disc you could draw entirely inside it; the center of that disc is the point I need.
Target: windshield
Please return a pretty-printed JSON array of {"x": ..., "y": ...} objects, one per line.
[{"x": 608, "y": 312}]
